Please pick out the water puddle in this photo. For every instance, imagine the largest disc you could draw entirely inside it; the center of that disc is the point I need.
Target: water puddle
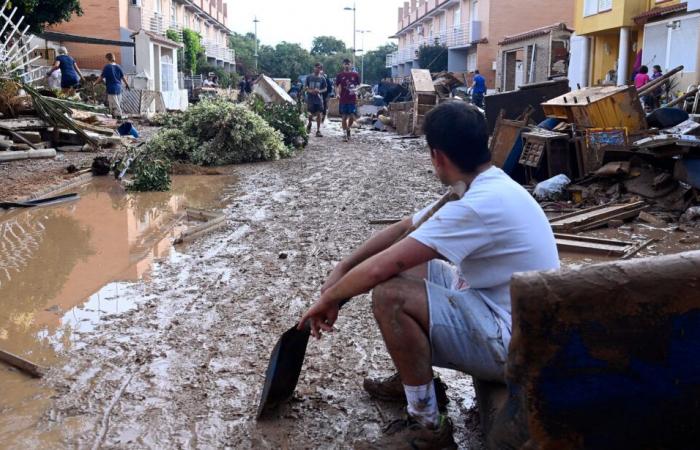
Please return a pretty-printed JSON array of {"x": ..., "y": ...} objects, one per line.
[{"x": 62, "y": 268}]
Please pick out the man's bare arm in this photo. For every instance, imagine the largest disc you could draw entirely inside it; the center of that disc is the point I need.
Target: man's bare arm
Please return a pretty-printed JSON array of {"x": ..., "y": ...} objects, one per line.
[{"x": 377, "y": 243}]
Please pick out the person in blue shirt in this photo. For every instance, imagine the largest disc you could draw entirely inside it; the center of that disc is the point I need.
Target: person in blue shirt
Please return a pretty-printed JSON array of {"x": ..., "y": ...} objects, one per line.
[
  {"x": 478, "y": 90},
  {"x": 70, "y": 73},
  {"x": 113, "y": 76}
]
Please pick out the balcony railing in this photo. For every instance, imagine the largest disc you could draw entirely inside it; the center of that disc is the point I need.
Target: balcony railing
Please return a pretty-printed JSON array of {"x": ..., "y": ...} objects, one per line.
[{"x": 219, "y": 51}]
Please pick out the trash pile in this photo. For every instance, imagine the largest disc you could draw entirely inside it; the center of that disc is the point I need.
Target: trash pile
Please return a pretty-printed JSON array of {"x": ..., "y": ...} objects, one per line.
[
  {"x": 598, "y": 151},
  {"x": 34, "y": 125}
]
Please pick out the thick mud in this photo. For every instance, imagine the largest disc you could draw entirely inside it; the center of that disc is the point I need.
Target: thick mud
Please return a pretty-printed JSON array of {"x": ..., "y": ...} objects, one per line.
[
  {"x": 184, "y": 367},
  {"x": 63, "y": 269}
]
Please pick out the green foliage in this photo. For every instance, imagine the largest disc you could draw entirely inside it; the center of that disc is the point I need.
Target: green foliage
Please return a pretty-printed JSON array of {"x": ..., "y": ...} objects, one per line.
[
  {"x": 167, "y": 119},
  {"x": 172, "y": 145},
  {"x": 333, "y": 64},
  {"x": 433, "y": 57},
  {"x": 285, "y": 60},
  {"x": 41, "y": 13},
  {"x": 150, "y": 173},
  {"x": 375, "y": 63},
  {"x": 244, "y": 45},
  {"x": 226, "y": 79},
  {"x": 285, "y": 119},
  {"x": 231, "y": 134},
  {"x": 327, "y": 45},
  {"x": 193, "y": 49}
]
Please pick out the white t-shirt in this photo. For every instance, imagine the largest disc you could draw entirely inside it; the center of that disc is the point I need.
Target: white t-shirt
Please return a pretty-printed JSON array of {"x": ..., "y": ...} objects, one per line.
[{"x": 494, "y": 231}]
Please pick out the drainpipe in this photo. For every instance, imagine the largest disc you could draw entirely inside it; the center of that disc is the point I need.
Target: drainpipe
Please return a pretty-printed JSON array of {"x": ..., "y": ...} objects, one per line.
[
  {"x": 623, "y": 54},
  {"x": 584, "y": 76}
]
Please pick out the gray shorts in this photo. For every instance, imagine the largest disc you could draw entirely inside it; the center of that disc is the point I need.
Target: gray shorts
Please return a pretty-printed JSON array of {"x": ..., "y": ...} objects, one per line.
[{"x": 465, "y": 334}]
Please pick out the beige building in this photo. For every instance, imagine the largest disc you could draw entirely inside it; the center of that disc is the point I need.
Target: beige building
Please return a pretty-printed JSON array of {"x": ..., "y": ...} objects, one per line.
[
  {"x": 470, "y": 29},
  {"x": 120, "y": 20}
]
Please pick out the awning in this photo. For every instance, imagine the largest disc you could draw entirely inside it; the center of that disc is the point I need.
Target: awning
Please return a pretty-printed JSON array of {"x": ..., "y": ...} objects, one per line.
[
  {"x": 659, "y": 12},
  {"x": 63, "y": 37},
  {"x": 535, "y": 33}
]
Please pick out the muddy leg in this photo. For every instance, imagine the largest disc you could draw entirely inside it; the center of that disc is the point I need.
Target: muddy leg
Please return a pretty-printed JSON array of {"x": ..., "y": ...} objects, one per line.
[{"x": 400, "y": 307}]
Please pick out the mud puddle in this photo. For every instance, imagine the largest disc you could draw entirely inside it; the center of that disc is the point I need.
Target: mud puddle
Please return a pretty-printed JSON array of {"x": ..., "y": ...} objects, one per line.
[{"x": 62, "y": 269}]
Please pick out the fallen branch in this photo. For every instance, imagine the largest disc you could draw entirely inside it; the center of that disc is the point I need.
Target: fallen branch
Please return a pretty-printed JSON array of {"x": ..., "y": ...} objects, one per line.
[
  {"x": 22, "y": 364},
  {"x": 105, "y": 417},
  {"x": 19, "y": 137}
]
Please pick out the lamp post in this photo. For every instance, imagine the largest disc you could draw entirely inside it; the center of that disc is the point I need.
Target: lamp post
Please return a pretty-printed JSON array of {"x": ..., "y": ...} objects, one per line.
[
  {"x": 354, "y": 29},
  {"x": 256, "y": 22},
  {"x": 362, "y": 63}
]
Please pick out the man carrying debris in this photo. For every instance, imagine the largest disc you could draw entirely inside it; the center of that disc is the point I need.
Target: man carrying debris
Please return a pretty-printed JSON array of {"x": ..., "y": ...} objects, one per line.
[
  {"x": 434, "y": 313},
  {"x": 346, "y": 84},
  {"x": 315, "y": 88},
  {"x": 478, "y": 89},
  {"x": 113, "y": 76}
]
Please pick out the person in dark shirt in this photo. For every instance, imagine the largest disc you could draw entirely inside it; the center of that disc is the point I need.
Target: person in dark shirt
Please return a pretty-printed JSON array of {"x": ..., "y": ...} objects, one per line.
[
  {"x": 70, "y": 73},
  {"x": 329, "y": 89},
  {"x": 315, "y": 88},
  {"x": 113, "y": 76},
  {"x": 346, "y": 84},
  {"x": 478, "y": 90}
]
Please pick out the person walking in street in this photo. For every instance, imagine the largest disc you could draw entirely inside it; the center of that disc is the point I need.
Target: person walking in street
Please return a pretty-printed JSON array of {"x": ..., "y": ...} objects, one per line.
[
  {"x": 71, "y": 75},
  {"x": 478, "y": 90},
  {"x": 641, "y": 80},
  {"x": 113, "y": 77},
  {"x": 441, "y": 297},
  {"x": 346, "y": 84},
  {"x": 315, "y": 88}
]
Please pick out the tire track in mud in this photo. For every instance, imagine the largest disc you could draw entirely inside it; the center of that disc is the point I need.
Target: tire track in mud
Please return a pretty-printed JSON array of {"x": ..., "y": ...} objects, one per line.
[{"x": 199, "y": 341}]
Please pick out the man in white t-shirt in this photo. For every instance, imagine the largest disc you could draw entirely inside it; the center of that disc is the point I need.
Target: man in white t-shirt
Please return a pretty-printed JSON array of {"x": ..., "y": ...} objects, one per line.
[{"x": 453, "y": 314}]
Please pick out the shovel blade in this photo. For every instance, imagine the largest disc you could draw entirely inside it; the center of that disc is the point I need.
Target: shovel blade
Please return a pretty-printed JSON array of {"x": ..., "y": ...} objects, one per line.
[{"x": 284, "y": 368}]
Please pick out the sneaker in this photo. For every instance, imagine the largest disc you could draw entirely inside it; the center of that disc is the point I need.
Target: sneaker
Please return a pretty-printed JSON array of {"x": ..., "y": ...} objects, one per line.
[
  {"x": 318, "y": 134},
  {"x": 391, "y": 390},
  {"x": 407, "y": 433},
  {"x": 348, "y": 134}
]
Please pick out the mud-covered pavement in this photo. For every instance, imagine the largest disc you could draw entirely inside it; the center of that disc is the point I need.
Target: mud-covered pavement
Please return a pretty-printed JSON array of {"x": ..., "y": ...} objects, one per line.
[{"x": 185, "y": 369}]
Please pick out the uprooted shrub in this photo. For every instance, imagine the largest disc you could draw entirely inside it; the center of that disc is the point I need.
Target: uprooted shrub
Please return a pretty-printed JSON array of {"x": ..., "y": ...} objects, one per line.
[
  {"x": 171, "y": 144},
  {"x": 283, "y": 118},
  {"x": 230, "y": 134},
  {"x": 150, "y": 173}
]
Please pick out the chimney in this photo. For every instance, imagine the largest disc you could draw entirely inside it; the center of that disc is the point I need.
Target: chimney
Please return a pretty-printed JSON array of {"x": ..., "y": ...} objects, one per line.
[
  {"x": 400, "y": 13},
  {"x": 406, "y": 11},
  {"x": 414, "y": 5}
]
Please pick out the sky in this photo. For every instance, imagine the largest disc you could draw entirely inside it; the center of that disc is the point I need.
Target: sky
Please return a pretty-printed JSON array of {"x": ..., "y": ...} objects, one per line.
[{"x": 300, "y": 21}]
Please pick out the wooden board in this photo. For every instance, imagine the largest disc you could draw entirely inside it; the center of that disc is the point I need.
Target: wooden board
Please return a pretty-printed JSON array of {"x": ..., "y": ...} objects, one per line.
[
  {"x": 505, "y": 135},
  {"x": 422, "y": 81},
  {"x": 585, "y": 244},
  {"x": 598, "y": 216}
]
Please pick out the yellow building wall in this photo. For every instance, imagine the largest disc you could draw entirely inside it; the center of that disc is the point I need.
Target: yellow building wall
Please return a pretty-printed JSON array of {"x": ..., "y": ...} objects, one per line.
[{"x": 620, "y": 15}]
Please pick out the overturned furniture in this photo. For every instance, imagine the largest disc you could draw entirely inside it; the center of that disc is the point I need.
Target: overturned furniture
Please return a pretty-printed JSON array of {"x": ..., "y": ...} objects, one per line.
[
  {"x": 602, "y": 357},
  {"x": 424, "y": 97}
]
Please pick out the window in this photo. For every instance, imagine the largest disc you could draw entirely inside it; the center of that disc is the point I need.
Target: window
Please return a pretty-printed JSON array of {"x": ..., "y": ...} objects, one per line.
[
  {"x": 173, "y": 12},
  {"x": 457, "y": 22},
  {"x": 158, "y": 6},
  {"x": 167, "y": 70},
  {"x": 592, "y": 7},
  {"x": 475, "y": 10}
]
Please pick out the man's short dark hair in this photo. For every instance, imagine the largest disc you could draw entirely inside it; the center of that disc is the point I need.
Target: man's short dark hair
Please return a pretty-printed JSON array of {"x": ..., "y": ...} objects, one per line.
[
  {"x": 318, "y": 65},
  {"x": 476, "y": 72},
  {"x": 347, "y": 61},
  {"x": 459, "y": 131},
  {"x": 110, "y": 57}
]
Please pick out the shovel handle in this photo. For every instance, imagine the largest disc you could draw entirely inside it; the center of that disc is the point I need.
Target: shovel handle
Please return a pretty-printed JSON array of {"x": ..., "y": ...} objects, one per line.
[{"x": 456, "y": 192}]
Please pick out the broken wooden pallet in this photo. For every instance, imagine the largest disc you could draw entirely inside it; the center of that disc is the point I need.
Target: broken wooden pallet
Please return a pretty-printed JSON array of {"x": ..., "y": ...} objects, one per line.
[
  {"x": 606, "y": 247},
  {"x": 596, "y": 217}
]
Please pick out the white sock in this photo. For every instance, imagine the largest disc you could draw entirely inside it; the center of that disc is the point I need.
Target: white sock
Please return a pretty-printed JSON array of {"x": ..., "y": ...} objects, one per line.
[{"x": 422, "y": 404}]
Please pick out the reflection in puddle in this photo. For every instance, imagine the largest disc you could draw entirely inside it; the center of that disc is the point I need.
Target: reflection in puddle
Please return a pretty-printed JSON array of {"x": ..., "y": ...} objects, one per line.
[{"x": 62, "y": 268}]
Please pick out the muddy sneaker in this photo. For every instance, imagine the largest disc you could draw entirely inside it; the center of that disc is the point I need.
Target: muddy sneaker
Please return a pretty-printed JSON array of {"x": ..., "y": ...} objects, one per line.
[
  {"x": 407, "y": 433},
  {"x": 347, "y": 138},
  {"x": 391, "y": 390},
  {"x": 318, "y": 134}
]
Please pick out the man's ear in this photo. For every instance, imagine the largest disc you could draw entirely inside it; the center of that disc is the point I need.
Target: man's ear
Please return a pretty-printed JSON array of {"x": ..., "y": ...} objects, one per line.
[{"x": 439, "y": 158}]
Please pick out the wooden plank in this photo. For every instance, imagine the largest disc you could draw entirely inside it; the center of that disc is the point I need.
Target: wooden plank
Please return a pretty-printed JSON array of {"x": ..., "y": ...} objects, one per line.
[
  {"x": 579, "y": 221},
  {"x": 624, "y": 215},
  {"x": 422, "y": 81},
  {"x": 593, "y": 239},
  {"x": 591, "y": 247},
  {"x": 22, "y": 364}
]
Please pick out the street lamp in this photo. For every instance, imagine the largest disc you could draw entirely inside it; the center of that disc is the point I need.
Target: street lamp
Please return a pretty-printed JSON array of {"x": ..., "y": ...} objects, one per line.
[
  {"x": 256, "y": 22},
  {"x": 362, "y": 72},
  {"x": 354, "y": 29}
]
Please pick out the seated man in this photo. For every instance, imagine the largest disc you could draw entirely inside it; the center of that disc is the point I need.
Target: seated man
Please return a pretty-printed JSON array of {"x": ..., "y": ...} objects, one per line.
[{"x": 431, "y": 312}]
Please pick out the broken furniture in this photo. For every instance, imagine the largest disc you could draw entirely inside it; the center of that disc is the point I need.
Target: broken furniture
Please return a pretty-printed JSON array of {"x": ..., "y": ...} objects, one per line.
[
  {"x": 601, "y": 357},
  {"x": 600, "y": 107},
  {"x": 424, "y": 97},
  {"x": 271, "y": 92},
  {"x": 506, "y": 144},
  {"x": 549, "y": 151}
]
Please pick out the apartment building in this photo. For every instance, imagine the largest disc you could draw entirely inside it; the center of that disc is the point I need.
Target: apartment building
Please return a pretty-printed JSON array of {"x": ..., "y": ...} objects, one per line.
[
  {"x": 470, "y": 29},
  {"x": 120, "y": 20},
  {"x": 617, "y": 36}
]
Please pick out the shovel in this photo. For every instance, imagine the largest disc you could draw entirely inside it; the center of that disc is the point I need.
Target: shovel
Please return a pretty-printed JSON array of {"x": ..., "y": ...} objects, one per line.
[{"x": 287, "y": 358}]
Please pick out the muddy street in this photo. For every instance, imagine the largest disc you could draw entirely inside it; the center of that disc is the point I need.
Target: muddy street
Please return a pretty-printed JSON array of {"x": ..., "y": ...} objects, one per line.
[{"x": 184, "y": 368}]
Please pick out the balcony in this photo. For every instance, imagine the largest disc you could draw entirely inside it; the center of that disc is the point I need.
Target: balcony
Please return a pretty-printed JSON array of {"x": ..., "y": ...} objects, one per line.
[
  {"x": 392, "y": 59},
  {"x": 219, "y": 52}
]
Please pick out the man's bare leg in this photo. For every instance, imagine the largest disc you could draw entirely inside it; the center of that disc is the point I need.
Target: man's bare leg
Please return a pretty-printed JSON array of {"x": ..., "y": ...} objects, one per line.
[{"x": 400, "y": 307}]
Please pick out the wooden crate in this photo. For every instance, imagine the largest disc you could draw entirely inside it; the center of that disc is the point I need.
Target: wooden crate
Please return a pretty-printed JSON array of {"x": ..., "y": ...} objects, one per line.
[{"x": 600, "y": 107}]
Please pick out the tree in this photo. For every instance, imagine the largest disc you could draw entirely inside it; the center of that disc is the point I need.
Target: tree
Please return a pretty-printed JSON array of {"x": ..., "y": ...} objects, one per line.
[
  {"x": 327, "y": 45},
  {"x": 285, "y": 60},
  {"x": 193, "y": 49},
  {"x": 375, "y": 63},
  {"x": 40, "y": 13},
  {"x": 244, "y": 45},
  {"x": 433, "y": 57}
]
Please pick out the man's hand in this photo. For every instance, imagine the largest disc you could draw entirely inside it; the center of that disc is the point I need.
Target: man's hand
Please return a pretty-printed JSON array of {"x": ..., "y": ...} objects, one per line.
[{"x": 321, "y": 316}]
